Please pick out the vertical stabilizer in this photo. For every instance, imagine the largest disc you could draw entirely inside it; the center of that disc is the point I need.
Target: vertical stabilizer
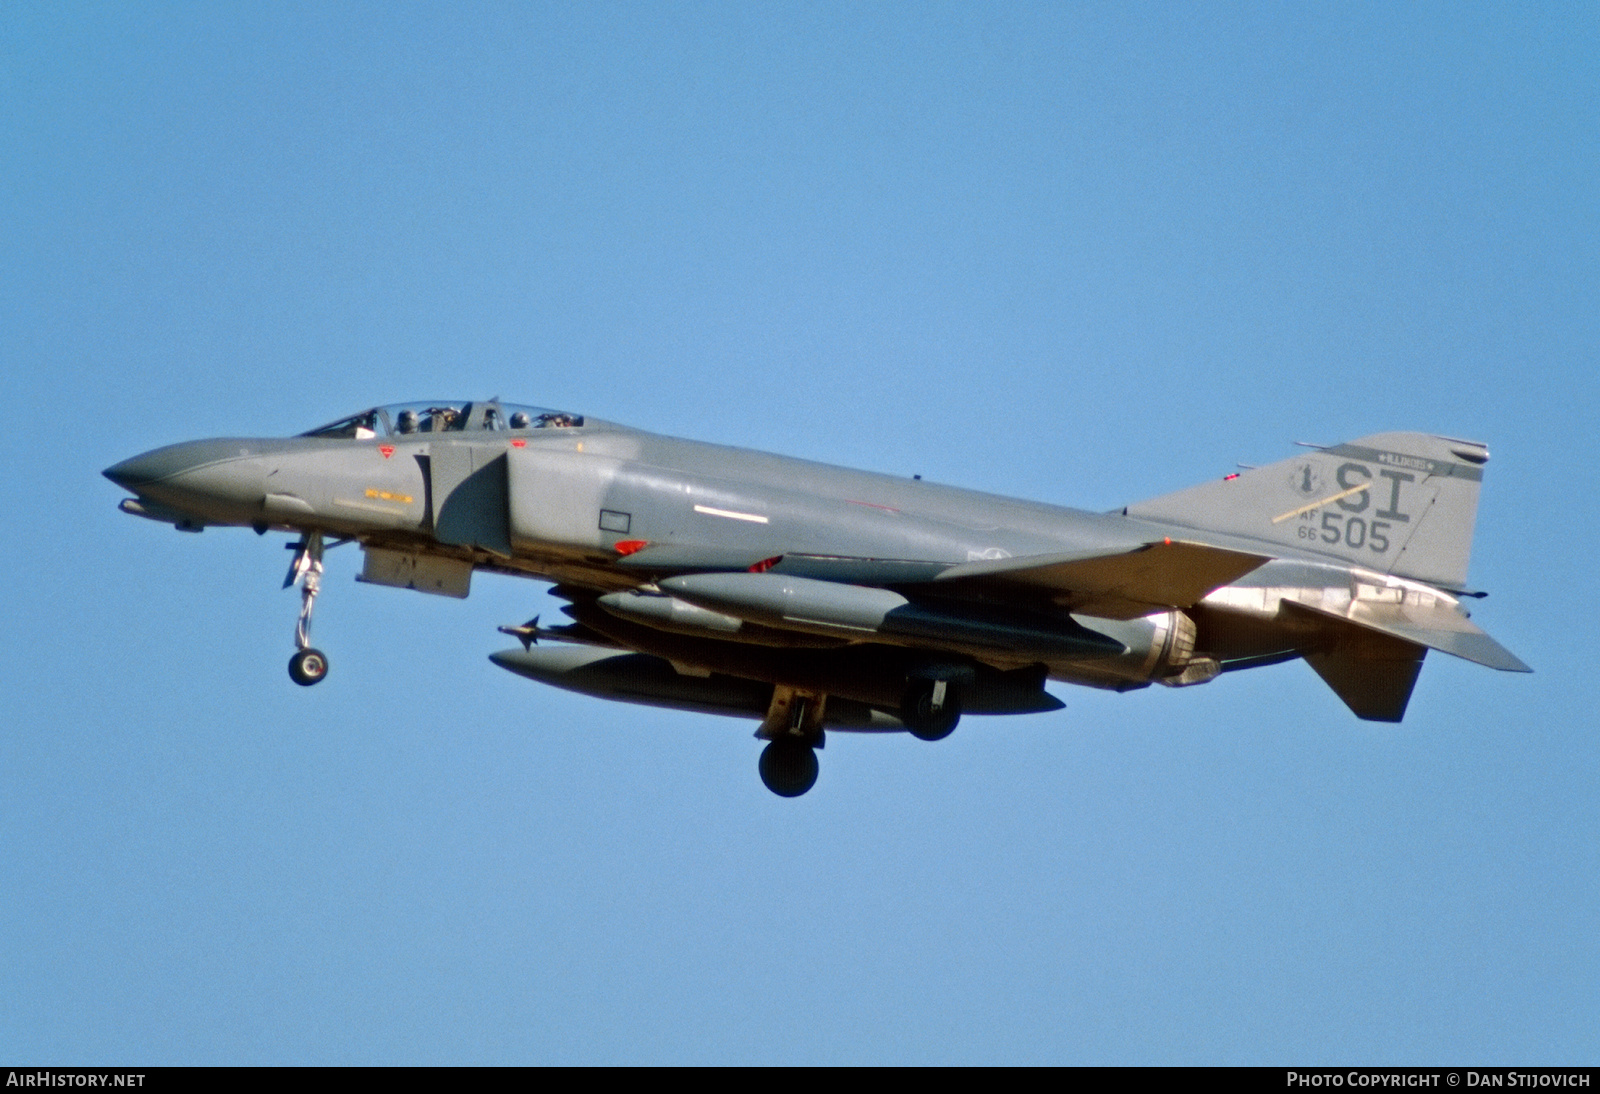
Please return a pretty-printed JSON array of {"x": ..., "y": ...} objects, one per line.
[{"x": 1397, "y": 503}]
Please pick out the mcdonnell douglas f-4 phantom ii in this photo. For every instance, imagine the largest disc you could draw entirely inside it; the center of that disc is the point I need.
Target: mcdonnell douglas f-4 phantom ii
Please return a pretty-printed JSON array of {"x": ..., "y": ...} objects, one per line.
[{"x": 727, "y": 581}]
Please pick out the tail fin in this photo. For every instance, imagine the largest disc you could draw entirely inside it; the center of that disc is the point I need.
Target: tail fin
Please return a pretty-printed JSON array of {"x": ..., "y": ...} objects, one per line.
[{"x": 1397, "y": 503}]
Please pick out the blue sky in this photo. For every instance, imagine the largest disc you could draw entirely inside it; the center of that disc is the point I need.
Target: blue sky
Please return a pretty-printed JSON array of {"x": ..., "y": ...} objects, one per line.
[{"x": 1085, "y": 254}]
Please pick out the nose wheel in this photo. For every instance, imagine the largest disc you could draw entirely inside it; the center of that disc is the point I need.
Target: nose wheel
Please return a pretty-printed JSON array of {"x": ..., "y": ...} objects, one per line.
[{"x": 308, "y": 666}]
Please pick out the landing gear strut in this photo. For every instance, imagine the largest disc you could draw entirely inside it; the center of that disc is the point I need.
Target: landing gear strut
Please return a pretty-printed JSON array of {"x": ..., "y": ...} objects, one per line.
[{"x": 308, "y": 666}]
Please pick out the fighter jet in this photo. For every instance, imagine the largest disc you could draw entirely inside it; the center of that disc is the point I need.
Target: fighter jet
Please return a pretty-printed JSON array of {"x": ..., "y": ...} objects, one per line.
[{"x": 811, "y": 597}]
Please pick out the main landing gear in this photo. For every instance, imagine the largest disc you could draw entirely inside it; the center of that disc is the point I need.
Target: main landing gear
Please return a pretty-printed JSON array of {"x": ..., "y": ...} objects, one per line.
[
  {"x": 789, "y": 768},
  {"x": 793, "y": 725},
  {"x": 793, "y": 728},
  {"x": 931, "y": 709},
  {"x": 308, "y": 666}
]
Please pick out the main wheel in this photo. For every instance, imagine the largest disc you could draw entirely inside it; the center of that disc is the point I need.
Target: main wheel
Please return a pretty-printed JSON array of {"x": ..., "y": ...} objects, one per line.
[
  {"x": 308, "y": 667},
  {"x": 788, "y": 768},
  {"x": 931, "y": 709}
]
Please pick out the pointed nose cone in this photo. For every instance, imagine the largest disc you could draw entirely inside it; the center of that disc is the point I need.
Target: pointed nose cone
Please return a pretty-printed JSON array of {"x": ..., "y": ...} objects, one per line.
[
  {"x": 175, "y": 459},
  {"x": 216, "y": 482},
  {"x": 134, "y": 473}
]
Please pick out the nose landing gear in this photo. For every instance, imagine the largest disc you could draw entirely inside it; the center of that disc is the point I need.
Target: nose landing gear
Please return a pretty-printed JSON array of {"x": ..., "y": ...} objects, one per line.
[{"x": 308, "y": 666}]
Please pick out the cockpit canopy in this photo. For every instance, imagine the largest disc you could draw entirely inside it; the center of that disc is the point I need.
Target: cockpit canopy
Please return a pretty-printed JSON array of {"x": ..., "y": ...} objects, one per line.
[{"x": 443, "y": 416}]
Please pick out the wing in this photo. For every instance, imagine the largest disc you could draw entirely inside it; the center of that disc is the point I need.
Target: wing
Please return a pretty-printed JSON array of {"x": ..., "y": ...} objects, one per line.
[{"x": 1124, "y": 584}]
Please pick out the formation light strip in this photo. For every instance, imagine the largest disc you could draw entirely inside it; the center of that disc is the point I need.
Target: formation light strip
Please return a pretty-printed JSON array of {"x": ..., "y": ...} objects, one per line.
[{"x": 753, "y": 518}]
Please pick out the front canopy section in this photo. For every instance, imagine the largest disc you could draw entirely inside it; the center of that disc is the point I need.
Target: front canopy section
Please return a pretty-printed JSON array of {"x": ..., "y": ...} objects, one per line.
[{"x": 444, "y": 416}]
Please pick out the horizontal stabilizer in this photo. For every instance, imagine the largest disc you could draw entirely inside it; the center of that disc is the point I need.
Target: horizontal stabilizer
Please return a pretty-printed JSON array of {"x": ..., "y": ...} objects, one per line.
[
  {"x": 1438, "y": 628},
  {"x": 1374, "y": 675},
  {"x": 1372, "y": 671},
  {"x": 1120, "y": 585}
]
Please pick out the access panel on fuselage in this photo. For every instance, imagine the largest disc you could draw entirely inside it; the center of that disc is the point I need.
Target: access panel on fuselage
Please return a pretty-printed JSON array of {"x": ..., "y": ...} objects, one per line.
[
  {"x": 469, "y": 495},
  {"x": 556, "y": 498}
]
